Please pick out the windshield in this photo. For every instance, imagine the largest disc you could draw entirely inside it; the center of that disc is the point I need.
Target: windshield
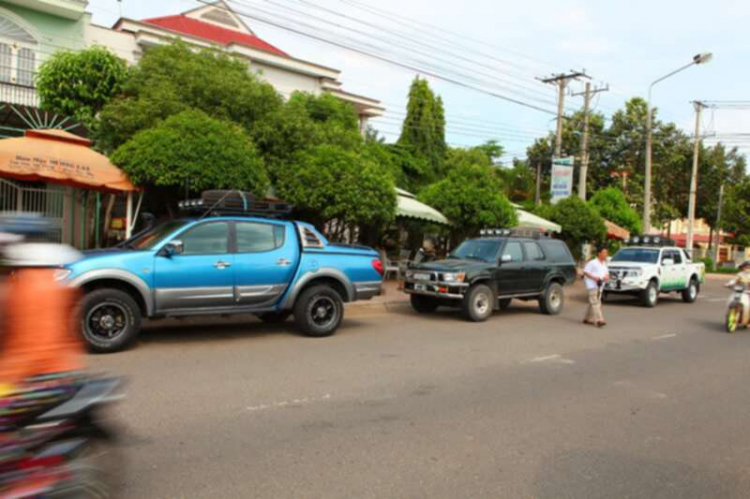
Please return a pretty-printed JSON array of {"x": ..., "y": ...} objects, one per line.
[
  {"x": 148, "y": 240},
  {"x": 484, "y": 250},
  {"x": 638, "y": 255}
]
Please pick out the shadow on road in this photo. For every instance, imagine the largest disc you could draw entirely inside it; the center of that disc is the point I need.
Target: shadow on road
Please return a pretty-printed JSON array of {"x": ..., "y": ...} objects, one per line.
[
  {"x": 604, "y": 474},
  {"x": 218, "y": 328}
]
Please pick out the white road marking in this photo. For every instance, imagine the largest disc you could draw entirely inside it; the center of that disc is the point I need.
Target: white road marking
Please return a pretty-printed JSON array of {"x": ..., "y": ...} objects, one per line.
[
  {"x": 552, "y": 358},
  {"x": 664, "y": 337},
  {"x": 285, "y": 403}
]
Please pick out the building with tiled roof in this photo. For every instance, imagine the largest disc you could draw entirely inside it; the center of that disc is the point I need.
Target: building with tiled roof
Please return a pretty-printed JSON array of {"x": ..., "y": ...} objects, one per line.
[{"x": 216, "y": 25}]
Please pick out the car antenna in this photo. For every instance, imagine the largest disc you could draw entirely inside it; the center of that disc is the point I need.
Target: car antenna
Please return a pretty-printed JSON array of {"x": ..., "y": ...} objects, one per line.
[{"x": 211, "y": 208}]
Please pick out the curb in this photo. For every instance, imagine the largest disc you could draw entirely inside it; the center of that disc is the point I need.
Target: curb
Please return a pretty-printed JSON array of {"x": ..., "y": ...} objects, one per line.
[{"x": 381, "y": 307}]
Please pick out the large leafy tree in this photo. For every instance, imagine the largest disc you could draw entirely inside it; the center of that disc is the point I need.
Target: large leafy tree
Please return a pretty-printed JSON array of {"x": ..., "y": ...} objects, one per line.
[
  {"x": 736, "y": 211},
  {"x": 190, "y": 152},
  {"x": 612, "y": 205},
  {"x": 327, "y": 182},
  {"x": 471, "y": 195},
  {"x": 80, "y": 84},
  {"x": 423, "y": 131},
  {"x": 170, "y": 79},
  {"x": 581, "y": 223}
]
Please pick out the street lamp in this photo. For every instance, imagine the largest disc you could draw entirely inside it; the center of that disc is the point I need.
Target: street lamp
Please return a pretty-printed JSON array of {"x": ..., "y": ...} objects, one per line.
[{"x": 697, "y": 59}]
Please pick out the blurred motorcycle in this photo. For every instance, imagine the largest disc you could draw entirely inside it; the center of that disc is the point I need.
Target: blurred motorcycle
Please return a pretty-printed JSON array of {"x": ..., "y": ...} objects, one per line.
[
  {"x": 64, "y": 450},
  {"x": 738, "y": 308}
]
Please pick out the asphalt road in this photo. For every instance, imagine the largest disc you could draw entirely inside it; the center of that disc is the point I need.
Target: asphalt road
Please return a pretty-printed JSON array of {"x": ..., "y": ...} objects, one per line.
[{"x": 398, "y": 405}]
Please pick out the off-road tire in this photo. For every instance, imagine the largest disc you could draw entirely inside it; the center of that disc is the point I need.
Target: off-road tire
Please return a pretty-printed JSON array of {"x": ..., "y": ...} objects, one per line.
[
  {"x": 125, "y": 309},
  {"x": 553, "y": 299},
  {"x": 478, "y": 303},
  {"x": 690, "y": 294},
  {"x": 319, "y": 311},
  {"x": 650, "y": 296}
]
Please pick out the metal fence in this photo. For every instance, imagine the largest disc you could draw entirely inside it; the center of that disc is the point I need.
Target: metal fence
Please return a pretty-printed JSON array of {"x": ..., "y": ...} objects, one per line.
[
  {"x": 12, "y": 93},
  {"x": 48, "y": 200}
]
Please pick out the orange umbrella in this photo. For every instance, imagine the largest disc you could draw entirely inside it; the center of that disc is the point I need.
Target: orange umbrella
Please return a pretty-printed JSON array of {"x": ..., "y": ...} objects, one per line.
[{"x": 60, "y": 157}]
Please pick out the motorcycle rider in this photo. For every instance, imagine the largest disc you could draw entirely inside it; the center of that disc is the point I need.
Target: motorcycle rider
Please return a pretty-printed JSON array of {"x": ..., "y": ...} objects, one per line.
[
  {"x": 40, "y": 354},
  {"x": 743, "y": 279}
]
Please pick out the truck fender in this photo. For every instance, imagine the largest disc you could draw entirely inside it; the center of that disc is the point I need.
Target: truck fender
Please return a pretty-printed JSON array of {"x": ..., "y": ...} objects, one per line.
[
  {"x": 321, "y": 273},
  {"x": 118, "y": 275}
]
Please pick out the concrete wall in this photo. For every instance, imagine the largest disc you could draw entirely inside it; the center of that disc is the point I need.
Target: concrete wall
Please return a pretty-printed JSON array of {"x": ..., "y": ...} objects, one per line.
[
  {"x": 122, "y": 44},
  {"x": 287, "y": 82}
]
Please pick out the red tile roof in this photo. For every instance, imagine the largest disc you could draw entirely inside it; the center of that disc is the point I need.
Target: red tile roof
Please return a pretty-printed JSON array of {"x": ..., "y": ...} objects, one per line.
[{"x": 199, "y": 29}]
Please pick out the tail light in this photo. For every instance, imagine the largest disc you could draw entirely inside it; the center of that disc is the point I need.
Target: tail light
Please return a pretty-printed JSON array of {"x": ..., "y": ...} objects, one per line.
[{"x": 377, "y": 264}]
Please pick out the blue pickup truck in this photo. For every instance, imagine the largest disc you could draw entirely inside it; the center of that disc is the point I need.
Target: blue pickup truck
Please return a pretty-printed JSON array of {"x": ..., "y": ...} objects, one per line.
[{"x": 215, "y": 265}]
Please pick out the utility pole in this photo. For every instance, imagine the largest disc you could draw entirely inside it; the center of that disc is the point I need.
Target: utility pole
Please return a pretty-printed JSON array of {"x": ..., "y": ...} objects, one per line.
[
  {"x": 538, "y": 195},
  {"x": 561, "y": 80},
  {"x": 583, "y": 173},
  {"x": 694, "y": 177},
  {"x": 718, "y": 225}
]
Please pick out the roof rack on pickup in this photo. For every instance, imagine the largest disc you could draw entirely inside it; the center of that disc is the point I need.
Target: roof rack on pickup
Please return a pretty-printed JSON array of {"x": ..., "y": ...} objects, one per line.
[
  {"x": 517, "y": 232},
  {"x": 234, "y": 203},
  {"x": 649, "y": 241}
]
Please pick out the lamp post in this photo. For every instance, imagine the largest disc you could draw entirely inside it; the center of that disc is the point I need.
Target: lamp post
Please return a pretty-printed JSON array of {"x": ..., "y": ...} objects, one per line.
[{"x": 697, "y": 59}]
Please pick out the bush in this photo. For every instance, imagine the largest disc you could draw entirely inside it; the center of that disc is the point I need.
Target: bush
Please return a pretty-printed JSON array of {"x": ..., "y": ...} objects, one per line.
[
  {"x": 709, "y": 263},
  {"x": 612, "y": 204},
  {"x": 580, "y": 223}
]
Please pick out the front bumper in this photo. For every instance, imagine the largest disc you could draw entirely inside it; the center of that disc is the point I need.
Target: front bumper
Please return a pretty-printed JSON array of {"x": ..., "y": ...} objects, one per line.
[
  {"x": 449, "y": 290},
  {"x": 625, "y": 286}
]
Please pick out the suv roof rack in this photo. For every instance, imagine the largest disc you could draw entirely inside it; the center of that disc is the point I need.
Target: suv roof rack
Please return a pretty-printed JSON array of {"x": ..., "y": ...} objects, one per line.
[
  {"x": 234, "y": 203},
  {"x": 646, "y": 240},
  {"x": 517, "y": 232}
]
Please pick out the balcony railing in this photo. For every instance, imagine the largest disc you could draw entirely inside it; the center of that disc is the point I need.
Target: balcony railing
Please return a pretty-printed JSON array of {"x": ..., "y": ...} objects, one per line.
[{"x": 23, "y": 95}]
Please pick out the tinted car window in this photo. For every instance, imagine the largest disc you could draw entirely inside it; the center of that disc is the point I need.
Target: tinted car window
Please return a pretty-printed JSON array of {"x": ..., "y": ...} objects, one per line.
[
  {"x": 484, "y": 250},
  {"x": 514, "y": 250},
  {"x": 206, "y": 239},
  {"x": 676, "y": 256},
  {"x": 255, "y": 237},
  {"x": 533, "y": 251},
  {"x": 557, "y": 252},
  {"x": 638, "y": 255}
]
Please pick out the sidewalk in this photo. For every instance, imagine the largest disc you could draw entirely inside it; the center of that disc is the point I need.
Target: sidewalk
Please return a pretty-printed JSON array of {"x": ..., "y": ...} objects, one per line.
[{"x": 390, "y": 299}]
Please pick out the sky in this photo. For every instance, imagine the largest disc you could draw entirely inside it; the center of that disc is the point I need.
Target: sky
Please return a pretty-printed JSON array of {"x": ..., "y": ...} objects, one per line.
[{"x": 502, "y": 48}]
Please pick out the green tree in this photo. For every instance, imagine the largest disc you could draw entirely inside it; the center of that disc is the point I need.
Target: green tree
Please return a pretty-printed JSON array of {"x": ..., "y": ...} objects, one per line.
[
  {"x": 80, "y": 84},
  {"x": 519, "y": 181},
  {"x": 471, "y": 196},
  {"x": 612, "y": 205},
  {"x": 327, "y": 182},
  {"x": 170, "y": 79},
  {"x": 423, "y": 130},
  {"x": 191, "y": 152},
  {"x": 736, "y": 211},
  {"x": 580, "y": 222}
]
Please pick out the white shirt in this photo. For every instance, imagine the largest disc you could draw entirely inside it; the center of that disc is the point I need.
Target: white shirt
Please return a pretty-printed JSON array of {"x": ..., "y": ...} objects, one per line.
[{"x": 596, "y": 269}]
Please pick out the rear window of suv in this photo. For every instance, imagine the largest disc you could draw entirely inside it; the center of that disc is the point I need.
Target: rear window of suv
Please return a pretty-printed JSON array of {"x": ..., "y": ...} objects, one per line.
[{"x": 557, "y": 252}]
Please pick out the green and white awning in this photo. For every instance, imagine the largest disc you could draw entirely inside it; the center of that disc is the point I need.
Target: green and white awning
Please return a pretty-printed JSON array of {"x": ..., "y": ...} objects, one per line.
[
  {"x": 528, "y": 220},
  {"x": 409, "y": 207}
]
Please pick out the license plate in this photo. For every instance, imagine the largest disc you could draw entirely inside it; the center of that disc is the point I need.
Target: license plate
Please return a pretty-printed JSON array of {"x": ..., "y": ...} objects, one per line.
[
  {"x": 420, "y": 287},
  {"x": 422, "y": 277}
]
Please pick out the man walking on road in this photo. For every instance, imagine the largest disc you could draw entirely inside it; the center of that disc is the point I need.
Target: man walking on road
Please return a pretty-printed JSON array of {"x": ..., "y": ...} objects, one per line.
[{"x": 595, "y": 274}]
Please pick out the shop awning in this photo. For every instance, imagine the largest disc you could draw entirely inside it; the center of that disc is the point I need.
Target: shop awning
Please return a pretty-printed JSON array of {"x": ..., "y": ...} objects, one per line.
[
  {"x": 614, "y": 231},
  {"x": 409, "y": 207},
  {"x": 528, "y": 220},
  {"x": 60, "y": 157}
]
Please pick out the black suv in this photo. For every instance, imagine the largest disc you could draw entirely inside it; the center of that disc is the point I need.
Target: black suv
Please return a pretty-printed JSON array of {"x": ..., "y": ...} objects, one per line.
[{"x": 485, "y": 274}]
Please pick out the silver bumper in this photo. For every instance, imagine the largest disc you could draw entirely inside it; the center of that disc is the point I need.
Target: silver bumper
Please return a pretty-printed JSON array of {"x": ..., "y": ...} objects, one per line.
[
  {"x": 367, "y": 290},
  {"x": 454, "y": 290}
]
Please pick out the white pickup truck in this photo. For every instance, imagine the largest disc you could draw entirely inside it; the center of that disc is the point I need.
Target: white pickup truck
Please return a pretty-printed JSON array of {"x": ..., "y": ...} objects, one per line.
[{"x": 646, "y": 271}]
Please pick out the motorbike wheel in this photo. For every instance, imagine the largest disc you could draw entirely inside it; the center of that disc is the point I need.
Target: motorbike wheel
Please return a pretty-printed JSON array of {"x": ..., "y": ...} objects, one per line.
[
  {"x": 99, "y": 471},
  {"x": 733, "y": 319}
]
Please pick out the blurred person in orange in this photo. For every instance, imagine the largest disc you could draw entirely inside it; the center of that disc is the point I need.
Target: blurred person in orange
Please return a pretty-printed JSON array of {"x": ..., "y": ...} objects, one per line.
[{"x": 40, "y": 351}]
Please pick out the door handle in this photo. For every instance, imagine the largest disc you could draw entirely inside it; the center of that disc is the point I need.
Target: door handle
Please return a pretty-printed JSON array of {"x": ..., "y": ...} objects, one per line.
[
  {"x": 283, "y": 262},
  {"x": 221, "y": 264}
]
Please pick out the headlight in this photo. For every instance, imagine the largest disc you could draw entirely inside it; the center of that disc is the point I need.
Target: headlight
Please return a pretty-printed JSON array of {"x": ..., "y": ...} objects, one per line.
[
  {"x": 409, "y": 274},
  {"x": 454, "y": 277},
  {"x": 62, "y": 274},
  {"x": 635, "y": 273}
]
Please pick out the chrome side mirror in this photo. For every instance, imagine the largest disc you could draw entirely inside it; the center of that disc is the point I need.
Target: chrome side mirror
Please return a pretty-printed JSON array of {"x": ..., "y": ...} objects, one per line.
[
  {"x": 506, "y": 258},
  {"x": 667, "y": 262}
]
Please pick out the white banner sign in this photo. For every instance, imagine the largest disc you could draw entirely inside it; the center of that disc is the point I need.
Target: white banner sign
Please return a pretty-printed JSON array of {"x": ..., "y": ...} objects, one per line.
[{"x": 561, "y": 185}]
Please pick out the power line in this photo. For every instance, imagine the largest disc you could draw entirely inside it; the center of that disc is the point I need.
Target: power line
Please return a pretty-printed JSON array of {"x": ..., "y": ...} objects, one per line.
[{"x": 388, "y": 60}]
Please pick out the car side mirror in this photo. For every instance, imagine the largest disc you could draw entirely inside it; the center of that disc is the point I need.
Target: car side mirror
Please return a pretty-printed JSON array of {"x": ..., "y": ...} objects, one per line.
[
  {"x": 172, "y": 248},
  {"x": 667, "y": 262},
  {"x": 506, "y": 258}
]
